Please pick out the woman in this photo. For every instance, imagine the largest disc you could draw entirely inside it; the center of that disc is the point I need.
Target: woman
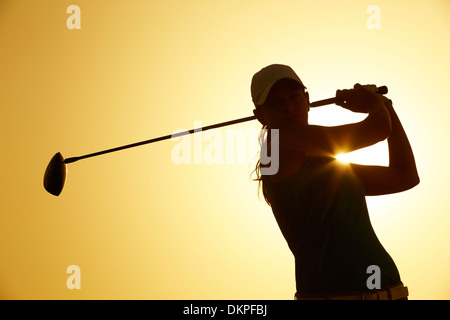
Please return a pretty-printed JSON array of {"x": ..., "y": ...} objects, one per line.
[{"x": 319, "y": 202}]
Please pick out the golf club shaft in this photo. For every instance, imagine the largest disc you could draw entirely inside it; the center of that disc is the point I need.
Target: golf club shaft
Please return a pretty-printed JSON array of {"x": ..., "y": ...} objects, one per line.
[
  {"x": 381, "y": 90},
  {"x": 214, "y": 126}
]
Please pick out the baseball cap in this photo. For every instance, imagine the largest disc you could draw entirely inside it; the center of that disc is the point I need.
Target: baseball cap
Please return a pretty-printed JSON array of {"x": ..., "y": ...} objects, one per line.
[{"x": 264, "y": 80}]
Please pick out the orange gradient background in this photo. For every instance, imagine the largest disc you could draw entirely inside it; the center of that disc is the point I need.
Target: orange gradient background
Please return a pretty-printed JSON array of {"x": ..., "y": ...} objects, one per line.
[{"x": 140, "y": 226}]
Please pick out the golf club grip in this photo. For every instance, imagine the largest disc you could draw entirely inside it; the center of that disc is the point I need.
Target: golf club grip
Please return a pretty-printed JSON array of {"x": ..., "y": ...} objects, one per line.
[{"x": 380, "y": 90}]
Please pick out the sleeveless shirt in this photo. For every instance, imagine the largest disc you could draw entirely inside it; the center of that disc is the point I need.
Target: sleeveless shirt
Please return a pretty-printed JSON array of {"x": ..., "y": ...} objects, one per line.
[{"x": 322, "y": 213}]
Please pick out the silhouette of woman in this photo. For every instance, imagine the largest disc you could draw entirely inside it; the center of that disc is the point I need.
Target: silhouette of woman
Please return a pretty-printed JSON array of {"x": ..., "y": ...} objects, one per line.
[{"x": 319, "y": 202}]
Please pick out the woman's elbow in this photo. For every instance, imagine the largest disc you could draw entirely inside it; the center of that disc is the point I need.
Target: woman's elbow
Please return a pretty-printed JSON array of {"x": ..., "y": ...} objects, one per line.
[
  {"x": 411, "y": 181},
  {"x": 382, "y": 131},
  {"x": 415, "y": 181},
  {"x": 380, "y": 128}
]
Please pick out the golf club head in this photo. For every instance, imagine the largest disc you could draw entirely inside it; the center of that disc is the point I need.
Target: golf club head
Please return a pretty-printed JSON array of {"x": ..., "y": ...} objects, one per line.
[{"x": 55, "y": 175}]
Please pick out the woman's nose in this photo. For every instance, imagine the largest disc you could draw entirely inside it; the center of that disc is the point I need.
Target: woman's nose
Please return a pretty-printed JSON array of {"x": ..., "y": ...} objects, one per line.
[{"x": 288, "y": 105}]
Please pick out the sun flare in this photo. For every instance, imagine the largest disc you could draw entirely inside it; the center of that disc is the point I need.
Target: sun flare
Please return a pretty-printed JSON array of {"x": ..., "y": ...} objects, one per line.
[{"x": 373, "y": 155}]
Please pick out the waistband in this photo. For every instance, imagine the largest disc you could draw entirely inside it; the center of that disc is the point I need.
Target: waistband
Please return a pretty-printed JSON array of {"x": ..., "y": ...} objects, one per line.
[{"x": 395, "y": 292}]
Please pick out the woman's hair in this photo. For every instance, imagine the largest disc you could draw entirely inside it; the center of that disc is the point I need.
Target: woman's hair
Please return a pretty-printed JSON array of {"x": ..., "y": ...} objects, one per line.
[{"x": 264, "y": 138}]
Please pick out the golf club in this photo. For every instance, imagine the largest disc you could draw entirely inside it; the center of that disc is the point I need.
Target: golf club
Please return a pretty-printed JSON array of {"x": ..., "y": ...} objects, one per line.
[{"x": 56, "y": 171}]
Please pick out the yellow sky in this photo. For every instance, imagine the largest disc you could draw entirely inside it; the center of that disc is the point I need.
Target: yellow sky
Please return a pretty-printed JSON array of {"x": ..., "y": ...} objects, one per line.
[{"x": 141, "y": 227}]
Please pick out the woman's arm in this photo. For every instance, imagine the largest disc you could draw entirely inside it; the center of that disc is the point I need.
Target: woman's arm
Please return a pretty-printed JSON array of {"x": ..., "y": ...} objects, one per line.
[
  {"x": 401, "y": 174},
  {"x": 331, "y": 141}
]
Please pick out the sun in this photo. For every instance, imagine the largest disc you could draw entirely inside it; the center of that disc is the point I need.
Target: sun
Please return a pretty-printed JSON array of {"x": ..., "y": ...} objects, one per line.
[
  {"x": 332, "y": 115},
  {"x": 376, "y": 154}
]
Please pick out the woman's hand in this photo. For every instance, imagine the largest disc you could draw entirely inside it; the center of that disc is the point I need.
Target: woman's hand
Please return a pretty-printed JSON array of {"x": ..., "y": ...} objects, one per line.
[{"x": 359, "y": 99}]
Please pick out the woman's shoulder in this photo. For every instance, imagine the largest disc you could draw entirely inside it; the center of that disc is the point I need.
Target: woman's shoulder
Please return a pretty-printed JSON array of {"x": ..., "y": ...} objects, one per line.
[{"x": 290, "y": 165}]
